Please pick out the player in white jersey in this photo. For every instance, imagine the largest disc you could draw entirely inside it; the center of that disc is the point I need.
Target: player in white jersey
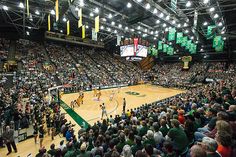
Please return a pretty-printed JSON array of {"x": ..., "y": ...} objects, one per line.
[
  {"x": 104, "y": 111},
  {"x": 112, "y": 95}
]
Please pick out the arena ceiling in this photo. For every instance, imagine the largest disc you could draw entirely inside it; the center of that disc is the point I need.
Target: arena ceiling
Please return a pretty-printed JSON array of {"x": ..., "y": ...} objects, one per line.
[{"x": 149, "y": 19}]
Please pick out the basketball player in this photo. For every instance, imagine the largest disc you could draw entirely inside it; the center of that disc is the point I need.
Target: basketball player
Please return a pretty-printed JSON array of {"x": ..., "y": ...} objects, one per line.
[
  {"x": 99, "y": 94},
  {"x": 94, "y": 92},
  {"x": 104, "y": 112},
  {"x": 81, "y": 95},
  {"x": 124, "y": 105},
  {"x": 112, "y": 95},
  {"x": 78, "y": 100},
  {"x": 72, "y": 105}
]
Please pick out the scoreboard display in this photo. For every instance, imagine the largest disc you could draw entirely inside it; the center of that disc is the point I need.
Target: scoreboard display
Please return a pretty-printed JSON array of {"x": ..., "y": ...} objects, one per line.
[{"x": 135, "y": 47}]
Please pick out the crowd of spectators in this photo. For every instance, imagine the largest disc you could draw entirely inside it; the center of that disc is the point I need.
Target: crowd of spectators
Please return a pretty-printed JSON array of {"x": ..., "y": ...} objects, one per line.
[
  {"x": 4, "y": 48},
  {"x": 200, "y": 122}
]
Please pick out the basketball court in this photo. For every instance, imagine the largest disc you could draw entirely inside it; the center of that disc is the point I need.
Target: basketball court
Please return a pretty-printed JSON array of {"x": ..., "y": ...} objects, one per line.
[{"x": 90, "y": 111}]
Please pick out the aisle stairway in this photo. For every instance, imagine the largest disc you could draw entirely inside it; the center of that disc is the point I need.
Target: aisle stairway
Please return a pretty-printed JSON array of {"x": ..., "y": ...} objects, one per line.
[{"x": 12, "y": 50}]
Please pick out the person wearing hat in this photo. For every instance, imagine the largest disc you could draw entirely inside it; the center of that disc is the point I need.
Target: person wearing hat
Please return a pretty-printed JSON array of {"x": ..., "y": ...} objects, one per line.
[{"x": 178, "y": 136}]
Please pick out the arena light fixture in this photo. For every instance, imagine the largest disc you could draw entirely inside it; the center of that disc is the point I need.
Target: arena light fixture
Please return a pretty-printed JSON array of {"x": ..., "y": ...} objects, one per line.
[
  {"x": 188, "y": 4},
  {"x": 115, "y": 31},
  {"x": 192, "y": 37},
  {"x": 132, "y": 30},
  {"x": 96, "y": 10},
  {"x": 179, "y": 25},
  {"x": 5, "y": 7},
  {"x": 21, "y": 5},
  {"x": 145, "y": 30},
  {"x": 52, "y": 12},
  {"x": 206, "y": 1},
  {"x": 164, "y": 25},
  {"x": 102, "y": 27},
  {"x": 120, "y": 26},
  {"x": 109, "y": 29},
  {"x": 129, "y": 5},
  {"x": 220, "y": 24},
  {"x": 173, "y": 22},
  {"x": 166, "y": 29},
  {"x": 186, "y": 31},
  {"x": 156, "y": 32},
  {"x": 91, "y": 14},
  {"x": 87, "y": 27},
  {"x": 223, "y": 32},
  {"x": 61, "y": 31},
  {"x": 155, "y": 38},
  {"x": 27, "y": 33},
  {"x": 155, "y": 11},
  {"x": 139, "y": 28},
  {"x": 110, "y": 16},
  {"x": 37, "y": 12},
  {"x": 147, "y": 6},
  {"x": 197, "y": 42},
  {"x": 205, "y": 24},
  {"x": 113, "y": 23},
  {"x": 216, "y": 16},
  {"x": 126, "y": 28},
  {"x": 151, "y": 32},
  {"x": 224, "y": 38},
  {"x": 185, "y": 24},
  {"x": 158, "y": 21},
  {"x": 212, "y": 9},
  {"x": 81, "y": 3},
  {"x": 64, "y": 19},
  {"x": 76, "y": 9},
  {"x": 201, "y": 50},
  {"x": 104, "y": 19},
  {"x": 161, "y": 15},
  {"x": 139, "y": 1},
  {"x": 167, "y": 17}
]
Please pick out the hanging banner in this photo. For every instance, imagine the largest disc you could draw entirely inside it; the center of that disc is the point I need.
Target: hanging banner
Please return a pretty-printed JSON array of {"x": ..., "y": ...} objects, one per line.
[
  {"x": 174, "y": 5},
  {"x": 49, "y": 22},
  {"x": 68, "y": 27},
  {"x": 165, "y": 46},
  {"x": 188, "y": 44},
  {"x": 135, "y": 46},
  {"x": 195, "y": 19},
  {"x": 57, "y": 10},
  {"x": 179, "y": 38},
  {"x": 83, "y": 31},
  {"x": 97, "y": 24},
  {"x": 80, "y": 18},
  {"x": 171, "y": 35},
  {"x": 27, "y": 8},
  {"x": 94, "y": 35},
  {"x": 118, "y": 40},
  {"x": 217, "y": 41},
  {"x": 184, "y": 42},
  {"x": 211, "y": 32},
  {"x": 220, "y": 47},
  {"x": 160, "y": 45}
]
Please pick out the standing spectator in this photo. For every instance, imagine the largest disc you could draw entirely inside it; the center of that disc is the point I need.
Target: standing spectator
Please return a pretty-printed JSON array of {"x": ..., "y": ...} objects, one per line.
[
  {"x": 124, "y": 105},
  {"x": 8, "y": 136}
]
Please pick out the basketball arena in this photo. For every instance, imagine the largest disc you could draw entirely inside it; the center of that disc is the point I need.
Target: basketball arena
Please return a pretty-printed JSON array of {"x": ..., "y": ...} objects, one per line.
[{"x": 117, "y": 78}]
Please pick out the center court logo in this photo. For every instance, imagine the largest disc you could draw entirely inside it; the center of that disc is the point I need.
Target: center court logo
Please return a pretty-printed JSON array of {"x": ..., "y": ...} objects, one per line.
[{"x": 135, "y": 94}]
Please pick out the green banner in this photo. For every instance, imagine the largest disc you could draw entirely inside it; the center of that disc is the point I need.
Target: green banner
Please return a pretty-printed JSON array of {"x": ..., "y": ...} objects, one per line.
[
  {"x": 170, "y": 50},
  {"x": 160, "y": 47},
  {"x": 165, "y": 46},
  {"x": 217, "y": 41},
  {"x": 188, "y": 44},
  {"x": 211, "y": 32},
  {"x": 171, "y": 35},
  {"x": 179, "y": 38},
  {"x": 184, "y": 42},
  {"x": 220, "y": 48}
]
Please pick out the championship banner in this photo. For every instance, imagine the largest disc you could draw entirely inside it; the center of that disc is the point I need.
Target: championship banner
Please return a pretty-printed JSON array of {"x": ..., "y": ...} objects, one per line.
[
  {"x": 135, "y": 46},
  {"x": 171, "y": 35},
  {"x": 57, "y": 10},
  {"x": 165, "y": 46},
  {"x": 80, "y": 18},
  {"x": 27, "y": 8},
  {"x": 184, "y": 42},
  {"x": 49, "y": 22},
  {"x": 160, "y": 45},
  {"x": 83, "y": 31},
  {"x": 68, "y": 27},
  {"x": 118, "y": 40},
  {"x": 220, "y": 47},
  {"x": 94, "y": 35},
  {"x": 188, "y": 44},
  {"x": 97, "y": 24},
  {"x": 211, "y": 32},
  {"x": 217, "y": 41},
  {"x": 179, "y": 38},
  {"x": 186, "y": 60}
]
